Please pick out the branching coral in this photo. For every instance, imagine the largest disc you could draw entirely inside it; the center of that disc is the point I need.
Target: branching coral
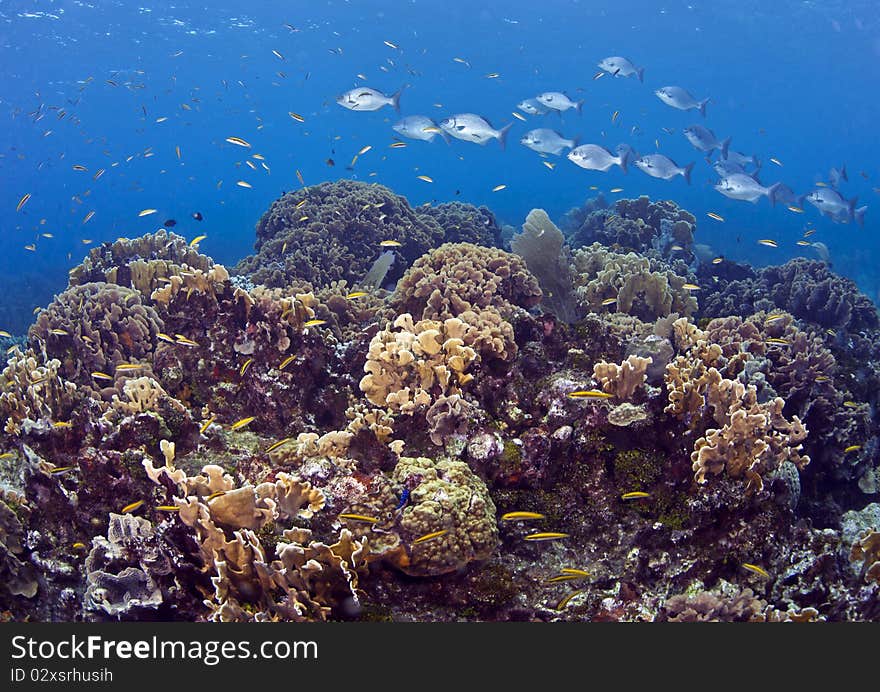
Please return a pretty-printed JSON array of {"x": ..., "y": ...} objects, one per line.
[
  {"x": 332, "y": 231},
  {"x": 412, "y": 364},
  {"x": 31, "y": 389},
  {"x": 140, "y": 263}
]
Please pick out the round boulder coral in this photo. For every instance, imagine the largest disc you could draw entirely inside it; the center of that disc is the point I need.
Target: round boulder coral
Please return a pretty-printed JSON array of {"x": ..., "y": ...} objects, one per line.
[
  {"x": 94, "y": 328},
  {"x": 464, "y": 223},
  {"x": 332, "y": 231}
]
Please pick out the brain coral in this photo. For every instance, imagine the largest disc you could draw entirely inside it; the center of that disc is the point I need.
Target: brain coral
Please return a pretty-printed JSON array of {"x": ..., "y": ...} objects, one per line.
[
  {"x": 95, "y": 327},
  {"x": 464, "y": 223},
  {"x": 457, "y": 277},
  {"x": 332, "y": 231}
]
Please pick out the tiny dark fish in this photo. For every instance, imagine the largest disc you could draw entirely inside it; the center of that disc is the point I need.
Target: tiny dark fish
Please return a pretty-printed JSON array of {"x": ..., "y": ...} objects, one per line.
[
  {"x": 197, "y": 215},
  {"x": 170, "y": 223},
  {"x": 330, "y": 162}
]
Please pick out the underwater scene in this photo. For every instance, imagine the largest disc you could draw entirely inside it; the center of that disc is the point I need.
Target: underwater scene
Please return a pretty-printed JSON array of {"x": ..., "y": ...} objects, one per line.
[{"x": 439, "y": 311}]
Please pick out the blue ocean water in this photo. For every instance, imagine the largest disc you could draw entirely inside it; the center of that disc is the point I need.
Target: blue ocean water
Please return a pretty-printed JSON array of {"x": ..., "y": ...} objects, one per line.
[{"x": 124, "y": 86}]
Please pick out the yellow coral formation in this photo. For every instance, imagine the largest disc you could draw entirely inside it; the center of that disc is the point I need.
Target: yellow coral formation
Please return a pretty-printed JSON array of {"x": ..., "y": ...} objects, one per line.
[
  {"x": 189, "y": 280},
  {"x": 622, "y": 380},
  {"x": 867, "y": 551},
  {"x": 31, "y": 389},
  {"x": 412, "y": 363}
]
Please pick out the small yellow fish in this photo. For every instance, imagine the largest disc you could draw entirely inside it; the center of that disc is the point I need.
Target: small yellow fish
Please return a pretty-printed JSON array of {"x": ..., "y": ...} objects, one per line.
[
  {"x": 493, "y": 75},
  {"x": 850, "y": 404},
  {"x": 804, "y": 243},
  {"x": 60, "y": 469},
  {"x": 390, "y": 45},
  {"x": 608, "y": 301},
  {"x": 549, "y": 164},
  {"x": 575, "y": 571},
  {"x": 559, "y": 578},
  {"x": 567, "y": 599},
  {"x": 31, "y": 247},
  {"x": 425, "y": 178},
  {"x": 365, "y": 150},
  {"x": 852, "y": 448},
  {"x": 275, "y": 445},
  {"x": 599, "y": 75},
  {"x": 677, "y": 248},
  {"x": 397, "y": 145},
  {"x": 287, "y": 361},
  {"x": 768, "y": 242},
  {"x": 718, "y": 260},
  {"x": 98, "y": 174},
  {"x": 356, "y": 294},
  {"x": 168, "y": 508},
  {"x": 773, "y": 318},
  {"x": 277, "y": 54},
  {"x": 431, "y": 536},
  {"x": 822, "y": 378},
  {"x": 77, "y": 167},
  {"x": 177, "y": 151},
  {"x": 132, "y": 507},
  {"x": 314, "y": 323},
  {"x": 754, "y": 568},
  {"x": 830, "y": 332},
  {"x": 432, "y": 128},
  {"x": 777, "y": 340},
  {"x": 518, "y": 116},
  {"x": 360, "y": 517},
  {"x": 635, "y": 495},
  {"x": 390, "y": 243},
  {"x": 6, "y": 455},
  {"x": 691, "y": 287},
  {"x": 206, "y": 425},
  {"x": 296, "y": 116},
  {"x": 215, "y": 495},
  {"x": 3, "y": 332},
  {"x": 299, "y": 176},
  {"x": 184, "y": 341},
  {"x": 615, "y": 190},
  {"x": 713, "y": 215},
  {"x": 238, "y": 141},
  {"x": 809, "y": 232},
  {"x": 245, "y": 366},
  {"x": 498, "y": 188},
  {"x": 615, "y": 116},
  {"x": 198, "y": 239},
  {"x": 545, "y": 536},
  {"x": 23, "y": 201},
  {"x": 242, "y": 423},
  {"x": 124, "y": 367},
  {"x": 776, "y": 161},
  {"x": 147, "y": 212},
  {"x": 59, "y": 332},
  {"x": 98, "y": 375},
  {"x": 796, "y": 210},
  {"x": 519, "y": 516},
  {"x": 79, "y": 545},
  {"x": 589, "y": 394}
]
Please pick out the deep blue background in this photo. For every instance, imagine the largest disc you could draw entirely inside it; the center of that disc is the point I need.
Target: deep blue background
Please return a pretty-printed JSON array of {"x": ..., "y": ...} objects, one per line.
[{"x": 793, "y": 80}]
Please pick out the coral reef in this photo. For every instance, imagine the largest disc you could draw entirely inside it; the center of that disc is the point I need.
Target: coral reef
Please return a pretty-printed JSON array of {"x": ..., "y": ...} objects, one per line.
[
  {"x": 332, "y": 231},
  {"x": 464, "y": 223}
]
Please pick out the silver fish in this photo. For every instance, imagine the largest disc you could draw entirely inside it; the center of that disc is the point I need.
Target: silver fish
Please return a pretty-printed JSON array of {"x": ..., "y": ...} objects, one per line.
[
  {"x": 705, "y": 140},
  {"x": 418, "y": 127},
  {"x": 532, "y": 107},
  {"x": 785, "y": 195},
  {"x": 557, "y": 101},
  {"x": 659, "y": 166},
  {"x": 596, "y": 158},
  {"x": 741, "y": 159},
  {"x": 621, "y": 67},
  {"x": 367, "y": 99},
  {"x": 832, "y": 204},
  {"x": 474, "y": 128},
  {"x": 546, "y": 141},
  {"x": 680, "y": 98},
  {"x": 726, "y": 167},
  {"x": 822, "y": 250},
  {"x": 835, "y": 175},
  {"x": 744, "y": 187}
]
